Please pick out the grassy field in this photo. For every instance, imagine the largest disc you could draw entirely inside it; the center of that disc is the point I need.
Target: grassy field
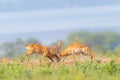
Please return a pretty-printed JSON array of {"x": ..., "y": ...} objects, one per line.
[{"x": 86, "y": 70}]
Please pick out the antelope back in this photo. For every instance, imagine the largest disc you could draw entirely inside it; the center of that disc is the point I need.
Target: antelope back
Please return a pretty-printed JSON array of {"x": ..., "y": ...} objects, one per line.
[{"x": 35, "y": 48}]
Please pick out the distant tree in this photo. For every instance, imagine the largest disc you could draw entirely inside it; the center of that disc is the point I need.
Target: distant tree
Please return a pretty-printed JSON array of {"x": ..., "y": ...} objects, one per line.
[
  {"x": 16, "y": 48},
  {"x": 98, "y": 40},
  {"x": 77, "y": 37},
  {"x": 8, "y": 49},
  {"x": 94, "y": 39},
  {"x": 112, "y": 39},
  {"x": 31, "y": 40},
  {"x": 19, "y": 42}
]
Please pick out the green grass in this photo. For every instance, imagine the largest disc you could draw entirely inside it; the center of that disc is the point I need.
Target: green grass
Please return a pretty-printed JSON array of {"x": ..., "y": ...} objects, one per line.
[{"x": 77, "y": 71}]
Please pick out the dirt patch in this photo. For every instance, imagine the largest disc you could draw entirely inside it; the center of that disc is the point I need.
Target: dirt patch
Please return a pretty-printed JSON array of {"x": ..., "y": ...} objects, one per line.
[{"x": 69, "y": 61}]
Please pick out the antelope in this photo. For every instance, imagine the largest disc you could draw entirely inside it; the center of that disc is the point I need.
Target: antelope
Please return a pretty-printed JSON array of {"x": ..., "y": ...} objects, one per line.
[
  {"x": 76, "y": 48},
  {"x": 47, "y": 51},
  {"x": 39, "y": 49}
]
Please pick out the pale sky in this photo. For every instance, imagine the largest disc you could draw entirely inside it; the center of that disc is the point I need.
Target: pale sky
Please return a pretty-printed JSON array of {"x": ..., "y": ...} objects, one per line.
[{"x": 35, "y": 20}]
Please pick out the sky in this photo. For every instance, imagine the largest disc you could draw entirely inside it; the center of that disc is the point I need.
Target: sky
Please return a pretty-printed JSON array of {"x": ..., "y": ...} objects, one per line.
[{"x": 24, "y": 16}]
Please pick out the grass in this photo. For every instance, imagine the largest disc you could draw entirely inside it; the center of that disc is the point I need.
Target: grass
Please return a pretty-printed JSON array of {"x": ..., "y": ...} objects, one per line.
[{"x": 87, "y": 70}]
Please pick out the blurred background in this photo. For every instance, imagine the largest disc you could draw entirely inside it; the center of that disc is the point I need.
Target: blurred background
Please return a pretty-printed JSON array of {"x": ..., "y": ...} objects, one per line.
[{"x": 93, "y": 22}]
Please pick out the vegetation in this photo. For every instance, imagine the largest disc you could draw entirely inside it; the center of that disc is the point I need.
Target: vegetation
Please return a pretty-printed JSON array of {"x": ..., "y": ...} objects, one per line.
[
  {"x": 77, "y": 71},
  {"x": 103, "y": 44},
  {"x": 100, "y": 42}
]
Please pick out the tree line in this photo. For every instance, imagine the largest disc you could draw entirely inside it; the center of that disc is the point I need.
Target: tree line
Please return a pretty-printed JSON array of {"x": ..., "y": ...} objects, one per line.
[{"x": 99, "y": 42}]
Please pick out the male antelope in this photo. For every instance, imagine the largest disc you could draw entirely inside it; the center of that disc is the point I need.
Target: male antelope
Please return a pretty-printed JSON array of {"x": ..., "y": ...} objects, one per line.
[
  {"x": 76, "y": 48},
  {"x": 39, "y": 49},
  {"x": 47, "y": 51}
]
